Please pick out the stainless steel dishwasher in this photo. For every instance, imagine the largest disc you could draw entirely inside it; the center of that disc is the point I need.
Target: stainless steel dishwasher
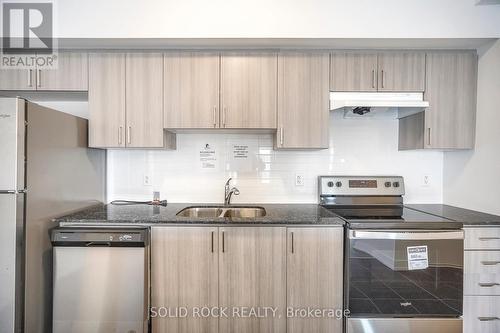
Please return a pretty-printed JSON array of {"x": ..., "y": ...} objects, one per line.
[{"x": 100, "y": 280}]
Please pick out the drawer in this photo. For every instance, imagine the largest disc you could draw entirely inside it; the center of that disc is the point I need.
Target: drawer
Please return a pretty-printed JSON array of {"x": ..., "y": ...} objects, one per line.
[
  {"x": 481, "y": 314},
  {"x": 486, "y": 238},
  {"x": 482, "y": 273}
]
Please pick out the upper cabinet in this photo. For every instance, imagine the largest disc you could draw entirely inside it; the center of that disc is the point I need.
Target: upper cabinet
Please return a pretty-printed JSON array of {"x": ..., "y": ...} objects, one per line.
[
  {"x": 126, "y": 101},
  {"x": 232, "y": 90},
  {"x": 249, "y": 90},
  {"x": 107, "y": 100},
  {"x": 377, "y": 71},
  {"x": 191, "y": 90},
  {"x": 303, "y": 98},
  {"x": 353, "y": 71},
  {"x": 401, "y": 71},
  {"x": 17, "y": 79},
  {"x": 144, "y": 100},
  {"x": 449, "y": 121},
  {"x": 70, "y": 74}
]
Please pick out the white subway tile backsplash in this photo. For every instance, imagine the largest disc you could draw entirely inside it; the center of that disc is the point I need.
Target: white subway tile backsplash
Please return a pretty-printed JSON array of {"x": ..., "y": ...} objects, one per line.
[{"x": 357, "y": 147}]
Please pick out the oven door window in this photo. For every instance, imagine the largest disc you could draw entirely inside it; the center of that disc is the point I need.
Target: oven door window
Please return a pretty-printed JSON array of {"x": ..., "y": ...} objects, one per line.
[{"x": 404, "y": 274}]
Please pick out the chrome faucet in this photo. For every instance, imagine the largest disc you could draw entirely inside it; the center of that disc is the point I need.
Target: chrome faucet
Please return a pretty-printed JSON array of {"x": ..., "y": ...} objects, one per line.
[{"x": 228, "y": 192}]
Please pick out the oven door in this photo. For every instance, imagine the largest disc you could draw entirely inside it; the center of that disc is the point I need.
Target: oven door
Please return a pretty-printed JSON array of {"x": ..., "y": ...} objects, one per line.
[{"x": 404, "y": 273}]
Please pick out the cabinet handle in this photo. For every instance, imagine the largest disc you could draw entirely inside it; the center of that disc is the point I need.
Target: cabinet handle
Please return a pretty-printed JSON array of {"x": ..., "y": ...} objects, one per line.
[
  {"x": 383, "y": 79},
  {"x": 39, "y": 78},
  {"x": 373, "y": 78},
  {"x": 488, "y": 238},
  {"x": 490, "y": 263},
  {"x": 120, "y": 134},
  {"x": 212, "y": 235},
  {"x": 30, "y": 78},
  {"x": 223, "y": 241},
  {"x": 429, "y": 136},
  {"x": 129, "y": 135},
  {"x": 489, "y": 285},
  {"x": 488, "y": 318},
  {"x": 224, "y": 111},
  {"x": 281, "y": 136},
  {"x": 215, "y": 116},
  {"x": 291, "y": 236}
]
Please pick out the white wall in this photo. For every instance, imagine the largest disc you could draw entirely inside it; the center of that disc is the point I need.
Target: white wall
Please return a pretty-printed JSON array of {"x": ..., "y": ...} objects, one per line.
[
  {"x": 472, "y": 178},
  {"x": 358, "y": 146},
  {"x": 276, "y": 19}
]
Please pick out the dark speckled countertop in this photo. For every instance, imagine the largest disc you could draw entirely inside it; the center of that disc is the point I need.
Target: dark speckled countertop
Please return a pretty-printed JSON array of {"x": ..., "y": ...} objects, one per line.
[
  {"x": 466, "y": 216},
  {"x": 111, "y": 215}
]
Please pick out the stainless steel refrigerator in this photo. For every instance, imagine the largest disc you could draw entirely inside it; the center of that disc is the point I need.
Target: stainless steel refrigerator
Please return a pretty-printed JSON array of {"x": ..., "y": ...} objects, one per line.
[{"x": 46, "y": 170}]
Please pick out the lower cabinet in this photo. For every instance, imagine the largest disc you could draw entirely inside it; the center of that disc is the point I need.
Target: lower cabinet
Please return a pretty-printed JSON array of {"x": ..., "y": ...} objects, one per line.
[
  {"x": 251, "y": 279},
  {"x": 482, "y": 280},
  {"x": 314, "y": 278},
  {"x": 184, "y": 274},
  {"x": 252, "y": 268}
]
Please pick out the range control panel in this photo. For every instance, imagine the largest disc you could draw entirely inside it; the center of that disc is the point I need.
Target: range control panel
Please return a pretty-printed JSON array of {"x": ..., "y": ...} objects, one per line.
[{"x": 361, "y": 186}]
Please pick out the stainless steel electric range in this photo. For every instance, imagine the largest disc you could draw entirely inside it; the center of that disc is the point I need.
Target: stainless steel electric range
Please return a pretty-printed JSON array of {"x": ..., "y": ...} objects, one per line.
[{"x": 403, "y": 268}]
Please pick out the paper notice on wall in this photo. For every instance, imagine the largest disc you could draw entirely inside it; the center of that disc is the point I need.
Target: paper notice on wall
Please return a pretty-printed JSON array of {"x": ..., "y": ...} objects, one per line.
[
  {"x": 208, "y": 157},
  {"x": 240, "y": 151},
  {"x": 418, "y": 257}
]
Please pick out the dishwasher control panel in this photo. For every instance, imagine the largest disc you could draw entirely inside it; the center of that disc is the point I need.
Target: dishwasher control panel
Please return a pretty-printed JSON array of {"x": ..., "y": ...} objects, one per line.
[{"x": 86, "y": 237}]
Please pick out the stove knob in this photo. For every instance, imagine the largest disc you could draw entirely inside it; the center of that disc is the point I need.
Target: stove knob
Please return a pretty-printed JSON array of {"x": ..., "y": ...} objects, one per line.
[
  {"x": 395, "y": 184},
  {"x": 387, "y": 184},
  {"x": 330, "y": 184},
  {"x": 338, "y": 184}
]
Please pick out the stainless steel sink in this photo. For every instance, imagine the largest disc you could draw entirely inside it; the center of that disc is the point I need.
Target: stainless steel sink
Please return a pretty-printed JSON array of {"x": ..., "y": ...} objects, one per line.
[
  {"x": 245, "y": 212},
  {"x": 222, "y": 211}
]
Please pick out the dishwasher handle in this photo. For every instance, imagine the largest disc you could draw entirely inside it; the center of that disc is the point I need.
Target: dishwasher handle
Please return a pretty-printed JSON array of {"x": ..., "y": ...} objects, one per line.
[{"x": 98, "y": 244}]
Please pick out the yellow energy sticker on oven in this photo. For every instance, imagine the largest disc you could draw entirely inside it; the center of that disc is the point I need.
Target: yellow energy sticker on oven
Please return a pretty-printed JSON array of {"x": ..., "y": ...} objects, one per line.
[{"x": 418, "y": 257}]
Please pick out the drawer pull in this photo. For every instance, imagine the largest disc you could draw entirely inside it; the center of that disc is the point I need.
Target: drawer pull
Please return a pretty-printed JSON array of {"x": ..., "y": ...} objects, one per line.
[
  {"x": 490, "y": 263},
  {"x": 488, "y": 318},
  {"x": 492, "y": 284},
  {"x": 488, "y": 238}
]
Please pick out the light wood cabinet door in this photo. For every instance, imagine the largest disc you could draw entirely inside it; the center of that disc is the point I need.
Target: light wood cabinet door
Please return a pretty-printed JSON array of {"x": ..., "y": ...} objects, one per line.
[
  {"x": 71, "y": 73},
  {"x": 401, "y": 71},
  {"x": 107, "y": 100},
  {"x": 450, "y": 119},
  {"x": 315, "y": 277},
  {"x": 191, "y": 85},
  {"x": 303, "y": 100},
  {"x": 481, "y": 314},
  {"x": 17, "y": 79},
  {"x": 144, "y": 100},
  {"x": 184, "y": 273},
  {"x": 248, "y": 90},
  {"x": 353, "y": 71},
  {"x": 252, "y": 273}
]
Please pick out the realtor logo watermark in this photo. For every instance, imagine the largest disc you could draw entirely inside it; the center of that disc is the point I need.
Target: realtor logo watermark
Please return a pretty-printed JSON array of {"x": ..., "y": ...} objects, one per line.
[{"x": 28, "y": 35}]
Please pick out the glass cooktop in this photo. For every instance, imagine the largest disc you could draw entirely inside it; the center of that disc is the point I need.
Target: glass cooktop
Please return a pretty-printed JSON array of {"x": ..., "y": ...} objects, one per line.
[{"x": 374, "y": 217}]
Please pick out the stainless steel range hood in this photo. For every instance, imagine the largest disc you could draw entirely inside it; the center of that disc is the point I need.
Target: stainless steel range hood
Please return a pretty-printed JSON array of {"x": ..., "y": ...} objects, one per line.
[{"x": 377, "y": 104}]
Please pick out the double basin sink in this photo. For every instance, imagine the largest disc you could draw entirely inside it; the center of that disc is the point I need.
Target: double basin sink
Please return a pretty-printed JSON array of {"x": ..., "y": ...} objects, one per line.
[{"x": 222, "y": 212}]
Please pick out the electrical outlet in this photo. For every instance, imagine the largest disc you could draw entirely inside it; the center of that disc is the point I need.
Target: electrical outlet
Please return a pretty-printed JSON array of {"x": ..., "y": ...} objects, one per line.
[
  {"x": 146, "y": 181},
  {"x": 299, "y": 179},
  {"x": 426, "y": 181}
]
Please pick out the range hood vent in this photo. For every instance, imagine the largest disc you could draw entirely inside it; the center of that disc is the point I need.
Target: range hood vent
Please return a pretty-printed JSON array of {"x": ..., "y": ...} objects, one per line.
[{"x": 377, "y": 104}]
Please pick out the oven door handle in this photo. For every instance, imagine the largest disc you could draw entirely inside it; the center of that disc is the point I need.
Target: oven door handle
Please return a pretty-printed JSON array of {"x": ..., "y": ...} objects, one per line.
[{"x": 406, "y": 235}]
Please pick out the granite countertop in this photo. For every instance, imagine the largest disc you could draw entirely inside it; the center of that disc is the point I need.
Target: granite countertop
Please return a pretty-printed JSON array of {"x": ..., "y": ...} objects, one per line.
[
  {"x": 466, "y": 216},
  {"x": 112, "y": 215}
]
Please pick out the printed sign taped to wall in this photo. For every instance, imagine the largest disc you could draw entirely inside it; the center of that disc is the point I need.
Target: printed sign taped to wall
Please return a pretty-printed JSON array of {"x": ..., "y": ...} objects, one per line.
[
  {"x": 418, "y": 257},
  {"x": 208, "y": 157}
]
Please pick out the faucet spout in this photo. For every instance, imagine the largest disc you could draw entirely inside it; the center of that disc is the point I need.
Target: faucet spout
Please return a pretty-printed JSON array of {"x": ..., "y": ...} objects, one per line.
[{"x": 228, "y": 192}]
